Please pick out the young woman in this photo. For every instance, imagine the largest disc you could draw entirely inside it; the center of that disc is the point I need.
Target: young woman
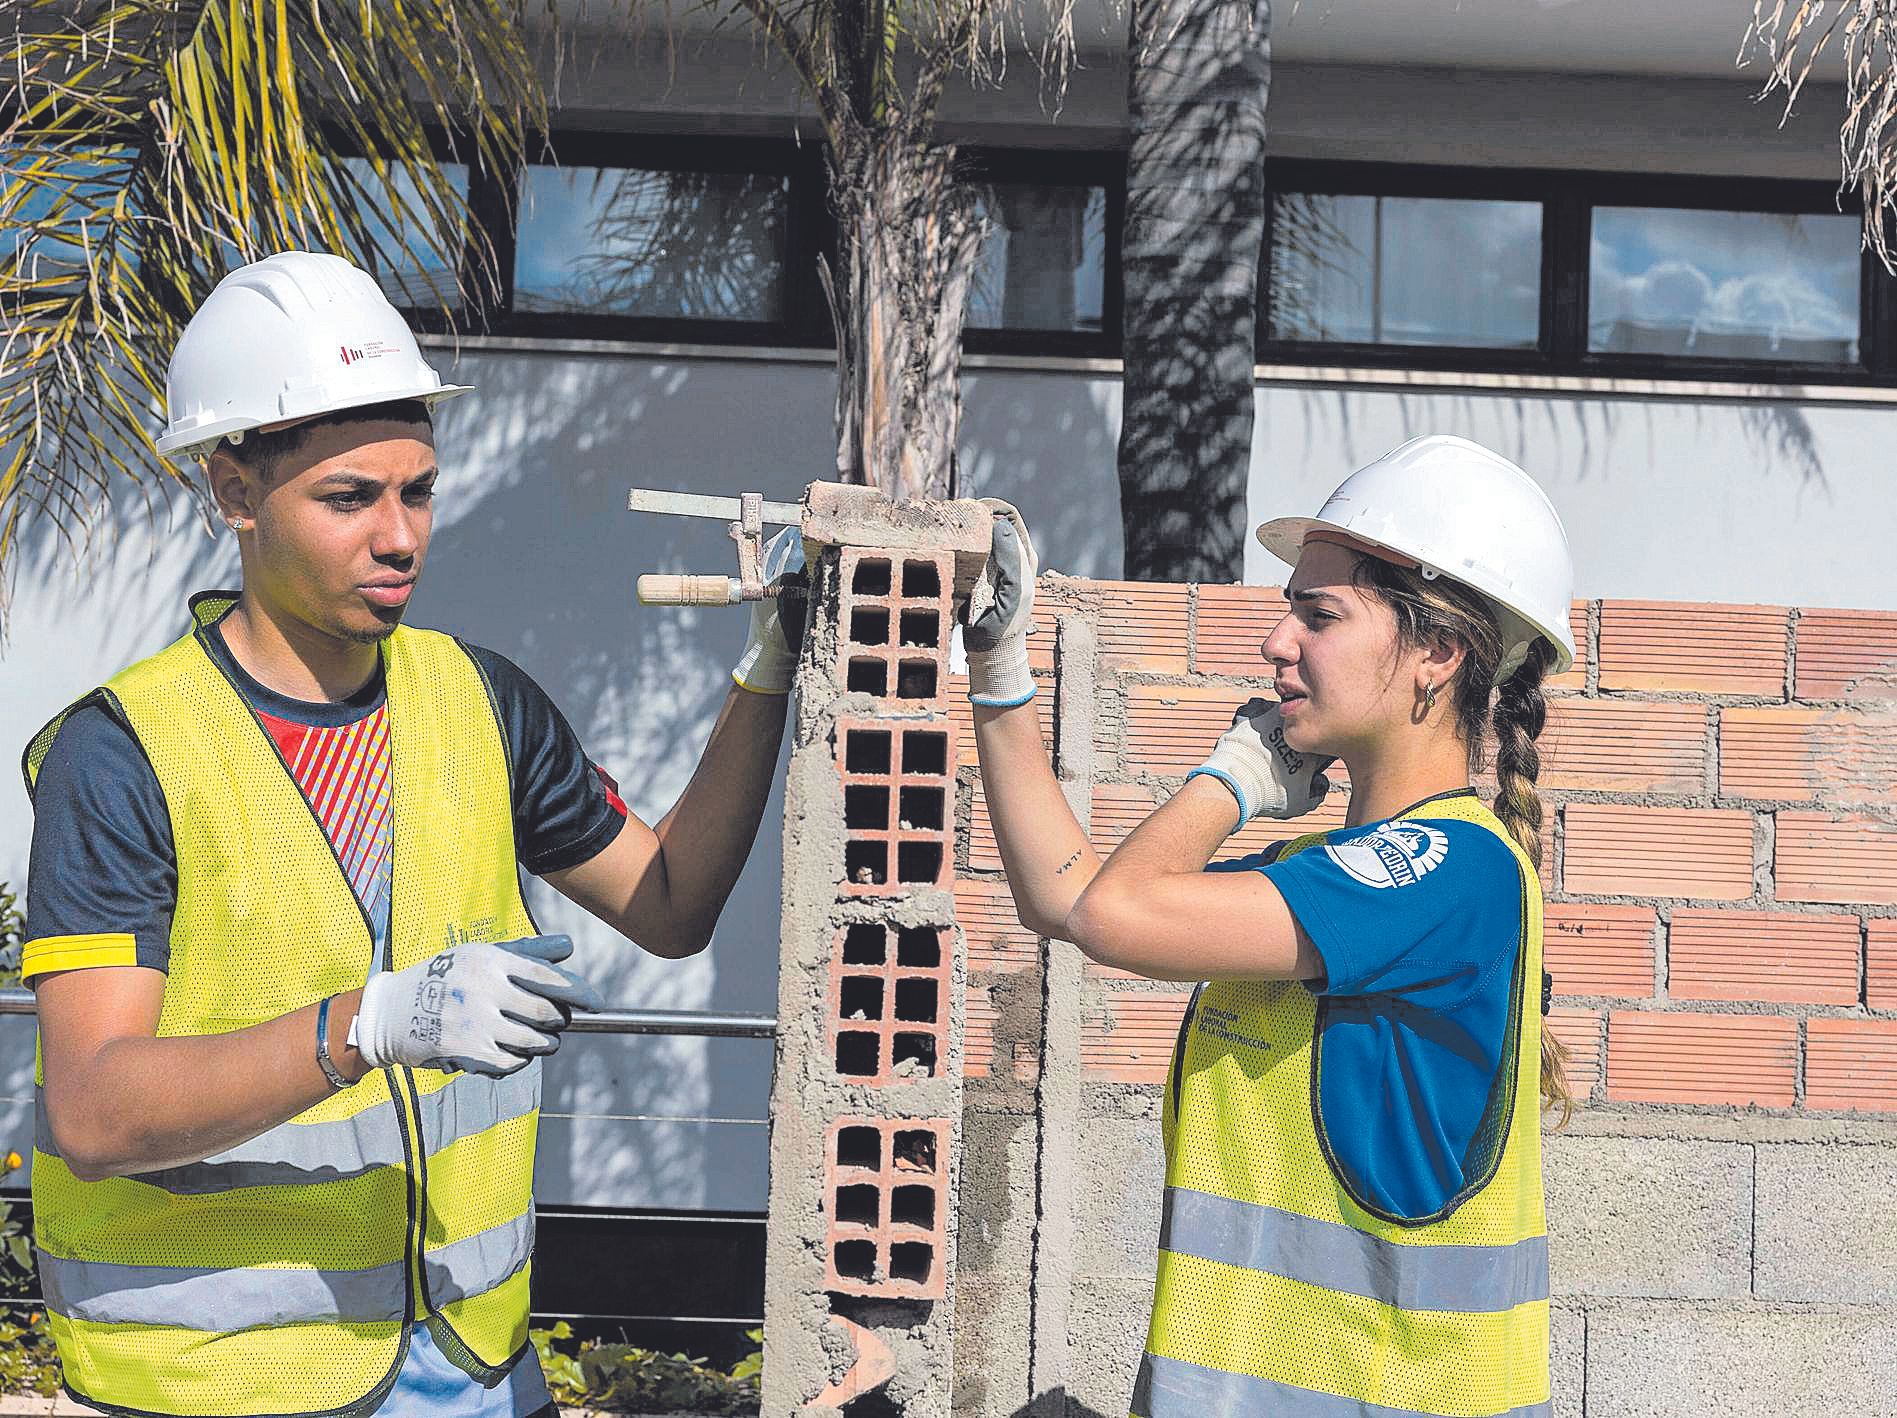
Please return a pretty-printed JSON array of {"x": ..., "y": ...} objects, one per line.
[{"x": 1353, "y": 1211}]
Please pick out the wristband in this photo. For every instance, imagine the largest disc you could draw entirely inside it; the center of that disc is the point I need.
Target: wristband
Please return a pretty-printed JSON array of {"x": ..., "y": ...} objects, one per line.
[{"x": 324, "y": 1061}]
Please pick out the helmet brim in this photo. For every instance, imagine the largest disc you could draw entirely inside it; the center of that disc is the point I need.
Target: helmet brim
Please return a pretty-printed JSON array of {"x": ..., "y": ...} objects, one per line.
[{"x": 200, "y": 442}]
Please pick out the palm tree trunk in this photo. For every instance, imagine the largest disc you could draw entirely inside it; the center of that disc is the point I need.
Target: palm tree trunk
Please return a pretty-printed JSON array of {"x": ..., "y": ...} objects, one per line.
[
  {"x": 1195, "y": 217},
  {"x": 910, "y": 235}
]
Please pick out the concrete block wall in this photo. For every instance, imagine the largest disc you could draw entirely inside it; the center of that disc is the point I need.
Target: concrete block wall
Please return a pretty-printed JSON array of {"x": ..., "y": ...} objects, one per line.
[{"x": 1721, "y": 874}]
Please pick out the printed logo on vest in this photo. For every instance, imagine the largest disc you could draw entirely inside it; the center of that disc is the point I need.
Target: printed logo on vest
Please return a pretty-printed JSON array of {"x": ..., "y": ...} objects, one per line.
[{"x": 1395, "y": 854}]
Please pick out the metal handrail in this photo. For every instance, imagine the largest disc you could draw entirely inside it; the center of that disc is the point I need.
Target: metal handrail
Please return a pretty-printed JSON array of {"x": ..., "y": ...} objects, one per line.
[{"x": 699, "y": 1023}]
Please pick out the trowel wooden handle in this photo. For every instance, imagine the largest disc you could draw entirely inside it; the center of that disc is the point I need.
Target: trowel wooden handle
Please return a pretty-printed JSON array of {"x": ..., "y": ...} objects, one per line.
[{"x": 660, "y": 590}]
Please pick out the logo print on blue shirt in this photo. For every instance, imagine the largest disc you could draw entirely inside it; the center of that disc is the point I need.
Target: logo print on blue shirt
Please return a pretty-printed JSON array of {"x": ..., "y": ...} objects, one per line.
[{"x": 1395, "y": 854}]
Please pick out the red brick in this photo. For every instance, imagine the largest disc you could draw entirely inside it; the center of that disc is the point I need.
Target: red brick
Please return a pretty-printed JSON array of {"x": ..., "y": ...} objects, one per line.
[
  {"x": 962, "y": 714},
  {"x": 1594, "y": 949},
  {"x": 1762, "y": 955},
  {"x": 1580, "y": 1030},
  {"x": 997, "y": 941},
  {"x": 1851, "y": 1064},
  {"x": 886, "y": 1204},
  {"x": 1575, "y": 677},
  {"x": 1143, "y": 626},
  {"x": 1131, "y": 1037},
  {"x": 1611, "y": 850},
  {"x": 895, "y": 620},
  {"x": 1232, "y": 623},
  {"x": 984, "y": 853},
  {"x": 1624, "y": 746},
  {"x": 1173, "y": 728},
  {"x": 889, "y": 1001},
  {"x": 1796, "y": 754},
  {"x": 1117, "y": 809},
  {"x": 1702, "y": 1058},
  {"x": 1848, "y": 860},
  {"x": 1845, "y": 654},
  {"x": 894, "y": 772},
  {"x": 1712, "y": 649},
  {"x": 1880, "y": 963}
]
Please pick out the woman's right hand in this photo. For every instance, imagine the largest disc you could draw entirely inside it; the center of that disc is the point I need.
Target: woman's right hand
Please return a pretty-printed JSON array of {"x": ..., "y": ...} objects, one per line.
[
  {"x": 996, "y": 638},
  {"x": 1267, "y": 776}
]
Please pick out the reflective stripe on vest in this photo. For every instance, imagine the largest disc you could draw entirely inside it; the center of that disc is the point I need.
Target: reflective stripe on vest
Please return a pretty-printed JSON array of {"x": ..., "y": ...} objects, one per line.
[
  {"x": 1278, "y": 1290},
  {"x": 282, "y": 1275},
  {"x": 1170, "y": 1388},
  {"x": 297, "y": 1154},
  {"x": 1476, "y": 1279},
  {"x": 232, "y": 1299}
]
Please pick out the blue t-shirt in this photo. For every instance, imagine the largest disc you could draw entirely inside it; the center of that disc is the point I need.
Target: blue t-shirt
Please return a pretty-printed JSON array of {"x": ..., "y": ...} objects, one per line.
[{"x": 1419, "y": 923}]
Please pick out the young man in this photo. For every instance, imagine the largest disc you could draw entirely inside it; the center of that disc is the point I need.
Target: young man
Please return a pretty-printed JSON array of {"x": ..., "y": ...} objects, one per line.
[{"x": 291, "y": 1000}]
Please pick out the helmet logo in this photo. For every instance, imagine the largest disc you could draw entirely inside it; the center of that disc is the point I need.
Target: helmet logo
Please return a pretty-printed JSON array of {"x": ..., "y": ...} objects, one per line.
[
  {"x": 351, "y": 356},
  {"x": 374, "y": 349}
]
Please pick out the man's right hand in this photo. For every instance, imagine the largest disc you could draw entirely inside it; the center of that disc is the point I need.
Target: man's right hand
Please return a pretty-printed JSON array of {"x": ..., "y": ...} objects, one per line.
[{"x": 481, "y": 1008}]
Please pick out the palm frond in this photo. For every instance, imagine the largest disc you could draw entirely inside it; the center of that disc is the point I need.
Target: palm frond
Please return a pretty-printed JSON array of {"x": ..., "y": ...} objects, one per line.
[
  {"x": 149, "y": 146},
  {"x": 1794, "y": 37}
]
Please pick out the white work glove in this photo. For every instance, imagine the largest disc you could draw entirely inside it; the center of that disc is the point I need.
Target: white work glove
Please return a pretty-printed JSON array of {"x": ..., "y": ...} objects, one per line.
[
  {"x": 996, "y": 635},
  {"x": 1267, "y": 776},
  {"x": 481, "y": 1008},
  {"x": 769, "y": 662}
]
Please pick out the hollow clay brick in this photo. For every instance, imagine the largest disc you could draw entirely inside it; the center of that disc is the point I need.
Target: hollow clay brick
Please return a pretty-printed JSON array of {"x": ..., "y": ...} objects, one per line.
[
  {"x": 1142, "y": 626},
  {"x": 1709, "y": 649},
  {"x": 1615, "y": 850},
  {"x": 894, "y": 621},
  {"x": 887, "y": 1205},
  {"x": 1797, "y": 754},
  {"x": 1232, "y": 623},
  {"x": 1847, "y": 860},
  {"x": 889, "y": 1003},
  {"x": 1880, "y": 963},
  {"x": 1701, "y": 1058},
  {"x": 1596, "y": 949},
  {"x": 897, "y": 780},
  {"x": 1851, "y": 1064},
  {"x": 997, "y": 941},
  {"x": 1846, "y": 654},
  {"x": 1580, "y": 1030},
  {"x": 1130, "y": 1035},
  {"x": 1779, "y": 956},
  {"x": 1624, "y": 746}
]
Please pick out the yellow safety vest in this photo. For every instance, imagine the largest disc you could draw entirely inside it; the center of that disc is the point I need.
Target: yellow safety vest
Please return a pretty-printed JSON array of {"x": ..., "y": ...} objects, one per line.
[
  {"x": 1281, "y": 1293},
  {"x": 284, "y": 1276}
]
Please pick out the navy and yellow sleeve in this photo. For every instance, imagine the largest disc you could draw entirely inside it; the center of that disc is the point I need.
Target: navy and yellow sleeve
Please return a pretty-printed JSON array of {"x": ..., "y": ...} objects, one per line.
[{"x": 102, "y": 878}]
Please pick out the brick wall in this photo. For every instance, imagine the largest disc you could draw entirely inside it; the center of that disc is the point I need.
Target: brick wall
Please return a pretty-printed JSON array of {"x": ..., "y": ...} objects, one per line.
[{"x": 1721, "y": 878}]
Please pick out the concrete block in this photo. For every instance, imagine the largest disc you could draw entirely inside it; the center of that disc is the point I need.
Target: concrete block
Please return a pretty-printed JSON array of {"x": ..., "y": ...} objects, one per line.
[
  {"x": 1825, "y": 1217},
  {"x": 1675, "y": 1361},
  {"x": 995, "y": 1204},
  {"x": 1649, "y": 1217},
  {"x": 991, "y": 1343},
  {"x": 1106, "y": 1333},
  {"x": 1116, "y": 1214},
  {"x": 1567, "y": 1360}
]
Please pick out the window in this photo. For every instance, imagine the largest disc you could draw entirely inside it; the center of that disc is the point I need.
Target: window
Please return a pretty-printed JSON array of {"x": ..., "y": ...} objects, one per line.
[
  {"x": 402, "y": 229},
  {"x": 658, "y": 244},
  {"x": 1043, "y": 265},
  {"x": 1778, "y": 286},
  {"x": 1378, "y": 270}
]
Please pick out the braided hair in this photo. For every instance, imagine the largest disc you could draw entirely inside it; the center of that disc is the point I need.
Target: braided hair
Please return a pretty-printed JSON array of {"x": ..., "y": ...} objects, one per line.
[{"x": 1431, "y": 612}]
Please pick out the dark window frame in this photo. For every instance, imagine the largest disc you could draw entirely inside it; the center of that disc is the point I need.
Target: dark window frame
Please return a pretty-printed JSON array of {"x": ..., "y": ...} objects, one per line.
[{"x": 1568, "y": 201}]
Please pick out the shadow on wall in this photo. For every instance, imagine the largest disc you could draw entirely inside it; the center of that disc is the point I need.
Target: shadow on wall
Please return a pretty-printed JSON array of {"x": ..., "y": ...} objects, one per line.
[{"x": 535, "y": 556}]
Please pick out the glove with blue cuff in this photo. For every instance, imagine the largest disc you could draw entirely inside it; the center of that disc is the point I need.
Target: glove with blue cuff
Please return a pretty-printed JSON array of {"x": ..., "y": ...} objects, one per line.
[
  {"x": 769, "y": 662},
  {"x": 996, "y": 636},
  {"x": 1267, "y": 776},
  {"x": 481, "y": 1008}
]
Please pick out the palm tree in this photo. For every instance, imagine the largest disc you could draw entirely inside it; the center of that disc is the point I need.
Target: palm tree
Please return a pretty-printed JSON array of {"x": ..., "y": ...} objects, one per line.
[
  {"x": 1195, "y": 215},
  {"x": 150, "y": 145},
  {"x": 1793, "y": 36}
]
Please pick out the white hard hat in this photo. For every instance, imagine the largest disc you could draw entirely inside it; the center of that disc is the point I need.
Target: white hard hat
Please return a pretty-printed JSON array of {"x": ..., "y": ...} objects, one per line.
[
  {"x": 289, "y": 337},
  {"x": 1464, "y": 512}
]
